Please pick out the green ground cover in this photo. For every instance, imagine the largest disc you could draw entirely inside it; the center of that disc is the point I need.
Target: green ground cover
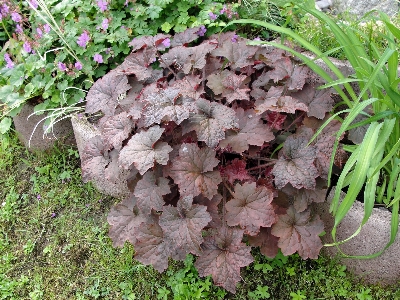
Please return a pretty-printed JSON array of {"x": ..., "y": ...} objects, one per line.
[{"x": 54, "y": 245}]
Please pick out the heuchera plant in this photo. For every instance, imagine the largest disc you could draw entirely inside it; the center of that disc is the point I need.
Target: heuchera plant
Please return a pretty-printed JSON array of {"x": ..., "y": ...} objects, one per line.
[{"x": 215, "y": 134}]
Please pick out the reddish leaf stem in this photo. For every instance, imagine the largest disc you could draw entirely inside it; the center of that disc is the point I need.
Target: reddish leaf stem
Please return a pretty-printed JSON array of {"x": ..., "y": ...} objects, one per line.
[{"x": 262, "y": 166}]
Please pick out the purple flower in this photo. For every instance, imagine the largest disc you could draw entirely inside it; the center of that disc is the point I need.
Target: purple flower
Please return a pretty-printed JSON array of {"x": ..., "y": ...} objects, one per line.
[
  {"x": 78, "y": 65},
  {"x": 102, "y": 5},
  {"x": 8, "y": 60},
  {"x": 4, "y": 9},
  {"x": 27, "y": 47},
  {"x": 18, "y": 29},
  {"x": 104, "y": 24},
  {"x": 33, "y": 3},
  {"x": 38, "y": 197},
  {"x": 46, "y": 28},
  {"x": 202, "y": 31},
  {"x": 62, "y": 66},
  {"x": 234, "y": 38},
  {"x": 108, "y": 50},
  {"x": 39, "y": 32},
  {"x": 126, "y": 3},
  {"x": 212, "y": 16},
  {"x": 16, "y": 17},
  {"x": 98, "y": 58},
  {"x": 257, "y": 39},
  {"x": 166, "y": 43},
  {"x": 53, "y": 215},
  {"x": 223, "y": 10},
  {"x": 83, "y": 39}
]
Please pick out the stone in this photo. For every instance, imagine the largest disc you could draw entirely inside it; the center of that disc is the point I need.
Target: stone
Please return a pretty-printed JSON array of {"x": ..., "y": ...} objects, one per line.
[
  {"x": 84, "y": 131},
  {"x": 30, "y": 131},
  {"x": 375, "y": 234},
  {"x": 361, "y": 7}
]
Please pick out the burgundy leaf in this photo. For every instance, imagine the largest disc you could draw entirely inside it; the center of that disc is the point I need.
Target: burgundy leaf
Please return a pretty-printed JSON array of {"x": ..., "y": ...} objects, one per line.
[
  {"x": 183, "y": 224},
  {"x": 211, "y": 121},
  {"x": 250, "y": 208},
  {"x": 239, "y": 54},
  {"x": 235, "y": 170},
  {"x": 267, "y": 242},
  {"x": 222, "y": 257},
  {"x": 275, "y": 120},
  {"x": 103, "y": 95},
  {"x": 198, "y": 57},
  {"x": 298, "y": 232},
  {"x": 167, "y": 105},
  {"x": 178, "y": 56},
  {"x": 149, "y": 42},
  {"x": 124, "y": 219},
  {"x": 252, "y": 131},
  {"x": 319, "y": 102},
  {"x": 233, "y": 88},
  {"x": 295, "y": 163},
  {"x": 117, "y": 129},
  {"x": 150, "y": 191},
  {"x": 143, "y": 150},
  {"x": 284, "y": 68},
  {"x": 193, "y": 171},
  {"x": 94, "y": 159},
  {"x": 189, "y": 86},
  {"x": 212, "y": 208},
  {"x": 303, "y": 198},
  {"x": 152, "y": 248},
  {"x": 214, "y": 81},
  {"x": 185, "y": 37},
  {"x": 274, "y": 101},
  {"x": 138, "y": 63},
  {"x": 113, "y": 172}
]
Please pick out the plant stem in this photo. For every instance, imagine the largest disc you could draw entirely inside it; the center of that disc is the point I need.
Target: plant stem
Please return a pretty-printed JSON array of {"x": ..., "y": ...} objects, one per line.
[
  {"x": 5, "y": 29},
  {"x": 262, "y": 166}
]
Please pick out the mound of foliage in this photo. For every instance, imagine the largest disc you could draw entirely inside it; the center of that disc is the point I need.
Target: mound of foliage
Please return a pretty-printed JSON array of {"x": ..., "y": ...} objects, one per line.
[{"x": 215, "y": 134}]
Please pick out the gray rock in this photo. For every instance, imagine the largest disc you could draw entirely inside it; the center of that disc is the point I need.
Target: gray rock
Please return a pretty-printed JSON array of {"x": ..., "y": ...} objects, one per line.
[
  {"x": 361, "y": 7},
  {"x": 374, "y": 236},
  {"x": 323, "y": 4}
]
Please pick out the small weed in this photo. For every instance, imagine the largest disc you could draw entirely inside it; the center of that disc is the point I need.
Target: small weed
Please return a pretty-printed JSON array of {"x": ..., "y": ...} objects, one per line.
[
  {"x": 364, "y": 294},
  {"x": 297, "y": 296},
  {"x": 260, "y": 293},
  {"x": 96, "y": 291}
]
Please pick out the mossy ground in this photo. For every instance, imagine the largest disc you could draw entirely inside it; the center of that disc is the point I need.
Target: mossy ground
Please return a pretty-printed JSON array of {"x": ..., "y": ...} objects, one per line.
[{"x": 54, "y": 245}]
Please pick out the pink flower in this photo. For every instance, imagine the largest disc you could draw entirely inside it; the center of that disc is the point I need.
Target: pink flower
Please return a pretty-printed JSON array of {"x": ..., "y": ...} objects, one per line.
[
  {"x": 39, "y": 32},
  {"x": 98, "y": 58},
  {"x": 78, "y": 65},
  {"x": 234, "y": 38},
  {"x": 104, "y": 24},
  {"x": 102, "y": 5},
  {"x": 166, "y": 43},
  {"x": 33, "y": 3},
  {"x": 257, "y": 39},
  {"x": 83, "y": 39},
  {"x": 16, "y": 17},
  {"x": 46, "y": 28},
  {"x": 18, "y": 29},
  {"x": 27, "y": 47},
  {"x": 8, "y": 60},
  {"x": 62, "y": 66},
  {"x": 53, "y": 215},
  {"x": 212, "y": 16},
  {"x": 4, "y": 9},
  {"x": 202, "y": 31}
]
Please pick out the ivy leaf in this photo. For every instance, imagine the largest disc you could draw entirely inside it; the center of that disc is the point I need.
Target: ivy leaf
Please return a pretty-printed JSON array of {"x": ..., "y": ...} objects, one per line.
[
  {"x": 152, "y": 248},
  {"x": 124, "y": 219},
  {"x": 211, "y": 121},
  {"x": 150, "y": 191},
  {"x": 212, "y": 208},
  {"x": 297, "y": 232},
  {"x": 116, "y": 129},
  {"x": 251, "y": 208},
  {"x": 233, "y": 88},
  {"x": 167, "y": 105},
  {"x": 239, "y": 54},
  {"x": 103, "y": 95},
  {"x": 267, "y": 242},
  {"x": 94, "y": 159},
  {"x": 319, "y": 102},
  {"x": 189, "y": 86},
  {"x": 284, "y": 68},
  {"x": 235, "y": 170},
  {"x": 193, "y": 171},
  {"x": 222, "y": 257},
  {"x": 295, "y": 164},
  {"x": 252, "y": 131},
  {"x": 138, "y": 63},
  {"x": 143, "y": 150},
  {"x": 274, "y": 101},
  {"x": 185, "y": 37},
  {"x": 183, "y": 224},
  {"x": 198, "y": 57}
]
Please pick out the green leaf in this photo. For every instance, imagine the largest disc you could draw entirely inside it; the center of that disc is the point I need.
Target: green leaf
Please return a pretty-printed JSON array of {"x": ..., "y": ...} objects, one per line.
[
  {"x": 5, "y": 125},
  {"x": 166, "y": 27}
]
